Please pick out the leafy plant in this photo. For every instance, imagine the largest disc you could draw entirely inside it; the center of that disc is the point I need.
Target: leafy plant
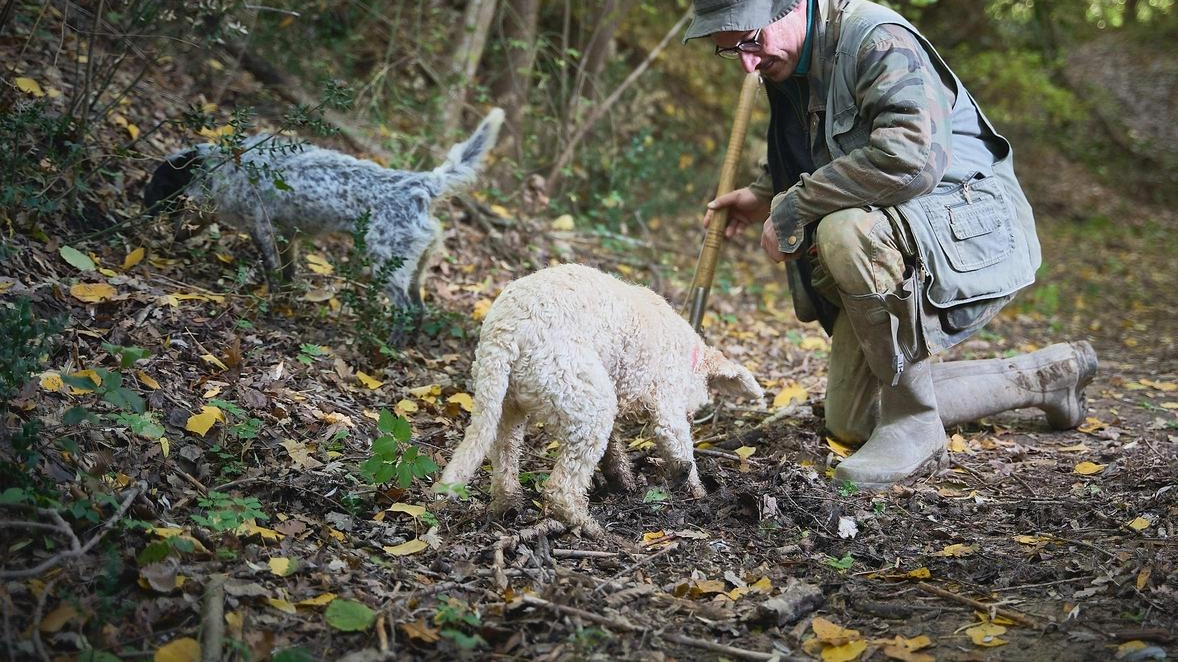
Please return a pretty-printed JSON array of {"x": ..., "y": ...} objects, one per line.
[
  {"x": 655, "y": 496},
  {"x": 393, "y": 454},
  {"x": 226, "y": 513},
  {"x": 847, "y": 488},
  {"x": 843, "y": 564},
  {"x": 454, "y": 616},
  {"x": 27, "y": 341},
  {"x": 364, "y": 296}
]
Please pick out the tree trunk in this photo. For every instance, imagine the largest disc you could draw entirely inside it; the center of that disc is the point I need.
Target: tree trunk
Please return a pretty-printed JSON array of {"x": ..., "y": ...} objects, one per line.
[
  {"x": 510, "y": 89},
  {"x": 472, "y": 39}
]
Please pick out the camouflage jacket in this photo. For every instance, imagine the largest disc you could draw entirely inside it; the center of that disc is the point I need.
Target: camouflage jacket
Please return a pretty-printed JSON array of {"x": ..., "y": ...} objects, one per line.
[{"x": 891, "y": 126}]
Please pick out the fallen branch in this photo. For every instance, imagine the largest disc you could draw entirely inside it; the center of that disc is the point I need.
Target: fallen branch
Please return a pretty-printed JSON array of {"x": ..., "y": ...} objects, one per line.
[
  {"x": 62, "y": 527},
  {"x": 619, "y": 624},
  {"x": 1015, "y": 616},
  {"x": 212, "y": 629}
]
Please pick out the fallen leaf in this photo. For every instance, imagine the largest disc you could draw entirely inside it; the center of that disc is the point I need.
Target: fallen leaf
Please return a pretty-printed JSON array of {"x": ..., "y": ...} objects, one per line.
[
  {"x": 201, "y": 423},
  {"x": 369, "y": 382},
  {"x": 317, "y": 601},
  {"x": 957, "y": 444},
  {"x": 462, "y": 400},
  {"x": 814, "y": 344},
  {"x": 408, "y": 509},
  {"x": 1139, "y": 524},
  {"x": 56, "y": 619},
  {"x": 186, "y": 649},
  {"x": 93, "y": 292},
  {"x": 147, "y": 380},
  {"x": 844, "y": 652},
  {"x": 480, "y": 309},
  {"x": 745, "y": 452},
  {"x": 957, "y": 550},
  {"x": 986, "y": 635},
  {"x": 919, "y": 573},
  {"x": 407, "y": 548},
  {"x": 209, "y": 358},
  {"x": 282, "y": 605},
  {"x": 563, "y": 223},
  {"x": 52, "y": 382},
  {"x": 318, "y": 264},
  {"x": 283, "y": 566},
  {"x": 421, "y": 631},
  {"x": 299, "y": 452},
  {"x": 831, "y": 633},
  {"x": 76, "y": 258},
  {"x": 790, "y": 392},
  {"x": 29, "y": 86},
  {"x": 839, "y": 449},
  {"x": 1088, "y": 468},
  {"x": 251, "y": 528},
  {"x": 349, "y": 615}
]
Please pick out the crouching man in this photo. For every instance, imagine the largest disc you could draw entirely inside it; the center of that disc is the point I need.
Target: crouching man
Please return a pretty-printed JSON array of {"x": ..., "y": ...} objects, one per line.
[{"x": 894, "y": 203}]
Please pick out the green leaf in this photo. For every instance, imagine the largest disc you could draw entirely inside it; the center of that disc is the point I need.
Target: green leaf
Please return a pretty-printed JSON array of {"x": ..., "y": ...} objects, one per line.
[
  {"x": 13, "y": 495},
  {"x": 75, "y": 415},
  {"x": 385, "y": 448},
  {"x": 154, "y": 552},
  {"x": 295, "y": 654},
  {"x": 227, "y": 406},
  {"x": 349, "y": 615},
  {"x": 127, "y": 355},
  {"x": 76, "y": 258},
  {"x": 394, "y": 425},
  {"x": 125, "y": 399},
  {"x": 143, "y": 425}
]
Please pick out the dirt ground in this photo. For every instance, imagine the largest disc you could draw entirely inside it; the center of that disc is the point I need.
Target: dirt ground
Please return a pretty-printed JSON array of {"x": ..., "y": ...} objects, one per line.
[{"x": 1026, "y": 544}]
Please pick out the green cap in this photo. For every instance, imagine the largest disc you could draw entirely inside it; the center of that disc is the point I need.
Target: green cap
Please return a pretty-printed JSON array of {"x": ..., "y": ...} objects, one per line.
[{"x": 713, "y": 16}]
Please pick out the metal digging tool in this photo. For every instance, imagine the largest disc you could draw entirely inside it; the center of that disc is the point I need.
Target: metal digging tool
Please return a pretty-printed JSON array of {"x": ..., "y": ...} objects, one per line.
[{"x": 709, "y": 254}]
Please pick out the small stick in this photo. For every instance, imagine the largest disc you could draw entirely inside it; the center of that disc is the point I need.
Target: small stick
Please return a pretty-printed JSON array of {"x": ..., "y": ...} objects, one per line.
[
  {"x": 632, "y": 567},
  {"x": 627, "y": 626},
  {"x": 1005, "y": 613},
  {"x": 212, "y": 630},
  {"x": 582, "y": 554}
]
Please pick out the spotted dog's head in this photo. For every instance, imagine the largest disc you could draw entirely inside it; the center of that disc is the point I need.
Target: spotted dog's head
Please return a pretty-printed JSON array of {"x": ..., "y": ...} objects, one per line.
[{"x": 162, "y": 193}]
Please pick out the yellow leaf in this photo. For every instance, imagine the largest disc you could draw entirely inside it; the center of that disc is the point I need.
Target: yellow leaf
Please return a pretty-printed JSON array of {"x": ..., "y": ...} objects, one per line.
[
  {"x": 1088, "y": 468},
  {"x": 56, "y": 619},
  {"x": 1143, "y": 578},
  {"x": 919, "y": 573},
  {"x": 563, "y": 223},
  {"x": 839, "y": 449},
  {"x": 165, "y": 446},
  {"x": 133, "y": 258},
  {"x": 405, "y": 407},
  {"x": 790, "y": 392},
  {"x": 844, "y": 652},
  {"x": 986, "y": 634},
  {"x": 641, "y": 444},
  {"x": 1131, "y": 646},
  {"x": 763, "y": 585},
  {"x": 251, "y": 528},
  {"x": 318, "y": 264},
  {"x": 480, "y": 309},
  {"x": 1032, "y": 540},
  {"x": 428, "y": 393},
  {"x": 93, "y": 376},
  {"x": 282, "y": 566},
  {"x": 212, "y": 392},
  {"x": 1078, "y": 448},
  {"x": 408, "y": 509},
  {"x": 1092, "y": 425},
  {"x": 147, "y": 380},
  {"x": 957, "y": 550},
  {"x": 186, "y": 649},
  {"x": 209, "y": 358},
  {"x": 299, "y": 452},
  {"x": 745, "y": 452},
  {"x": 501, "y": 211},
  {"x": 421, "y": 631},
  {"x": 29, "y": 86},
  {"x": 132, "y": 131},
  {"x": 957, "y": 443},
  {"x": 406, "y": 548},
  {"x": 202, "y": 422},
  {"x": 52, "y": 382},
  {"x": 93, "y": 292},
  {"x": 830, "y": 632},
  {"x": 462, "y": 400},
  {"x": 1165, "y": 387},
  {"x": 370, "y": 382},
  {"x": 814, "y": 344},
  {"x": 317, "y": 601},
  {"x": 282, "y": 605},
  {"x": 1139, "y": 524}
]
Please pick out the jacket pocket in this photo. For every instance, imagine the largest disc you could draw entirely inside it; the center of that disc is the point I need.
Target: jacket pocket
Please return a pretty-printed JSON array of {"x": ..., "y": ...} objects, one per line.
[{"x": 972, "y": 222}]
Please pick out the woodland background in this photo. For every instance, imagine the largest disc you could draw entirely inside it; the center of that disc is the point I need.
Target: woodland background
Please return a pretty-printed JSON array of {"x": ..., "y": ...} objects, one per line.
[{"x": 193, "y": 467}]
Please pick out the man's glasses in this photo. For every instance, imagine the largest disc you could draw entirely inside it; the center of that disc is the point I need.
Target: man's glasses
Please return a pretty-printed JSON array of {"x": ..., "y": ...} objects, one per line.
[{"x": 750, "y": 45}]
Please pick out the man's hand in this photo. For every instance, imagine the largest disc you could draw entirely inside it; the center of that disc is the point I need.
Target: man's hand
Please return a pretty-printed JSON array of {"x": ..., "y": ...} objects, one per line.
[
  {"x": 744, "y": 209},
  {"x": 770, "y": 246}
]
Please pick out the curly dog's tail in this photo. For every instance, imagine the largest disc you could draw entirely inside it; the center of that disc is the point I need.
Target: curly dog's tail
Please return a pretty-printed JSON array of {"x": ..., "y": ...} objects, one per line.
[
  {"x": 492, "y": 373},
  {"x": 465, "y": 158}
]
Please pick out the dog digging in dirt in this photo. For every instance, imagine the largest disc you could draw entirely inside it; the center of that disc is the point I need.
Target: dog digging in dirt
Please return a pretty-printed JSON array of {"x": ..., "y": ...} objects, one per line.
[
  {"x": 270, "y": 183},
  {"x": 572, "y": 347}
]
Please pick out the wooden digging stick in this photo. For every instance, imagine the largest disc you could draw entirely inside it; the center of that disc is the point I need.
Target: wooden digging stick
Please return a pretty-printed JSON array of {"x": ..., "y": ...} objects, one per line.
[{"x": 709, "y": 254}]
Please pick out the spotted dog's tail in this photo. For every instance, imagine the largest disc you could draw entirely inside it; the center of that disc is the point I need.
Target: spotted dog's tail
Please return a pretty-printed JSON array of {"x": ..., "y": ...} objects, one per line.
[
  {"x": 170, "y": 179},
  {"x": 465, "y": 158}
]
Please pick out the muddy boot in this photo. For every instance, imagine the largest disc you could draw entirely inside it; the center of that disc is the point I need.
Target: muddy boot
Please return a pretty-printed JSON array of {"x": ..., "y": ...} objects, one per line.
[
  {"x": 1051, "y": 379},
  {"x": 909, "y": 432}
]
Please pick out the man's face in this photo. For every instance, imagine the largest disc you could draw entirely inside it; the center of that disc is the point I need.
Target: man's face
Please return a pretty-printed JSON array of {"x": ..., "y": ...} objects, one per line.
[{"x": 780, "y": 45}]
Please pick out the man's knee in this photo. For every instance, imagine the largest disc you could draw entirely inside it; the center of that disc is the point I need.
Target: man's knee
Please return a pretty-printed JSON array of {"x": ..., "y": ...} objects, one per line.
[{"x": 857, "y": 249}]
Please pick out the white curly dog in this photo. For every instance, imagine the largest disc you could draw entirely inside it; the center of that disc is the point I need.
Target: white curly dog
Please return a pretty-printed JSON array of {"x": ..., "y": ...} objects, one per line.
[
  {"x": 270, "y": 181},
  {"x": 572, "y": 347}
]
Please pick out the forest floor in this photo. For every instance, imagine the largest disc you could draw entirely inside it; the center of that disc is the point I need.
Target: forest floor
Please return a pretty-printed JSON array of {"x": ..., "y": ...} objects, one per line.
[{"x": 1028, "y": 544}]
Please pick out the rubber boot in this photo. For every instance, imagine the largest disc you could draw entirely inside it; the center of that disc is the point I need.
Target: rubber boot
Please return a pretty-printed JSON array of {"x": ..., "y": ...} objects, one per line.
[
  {"x": 1052, "y": 379},
  {"x": 909, "y": 433}
]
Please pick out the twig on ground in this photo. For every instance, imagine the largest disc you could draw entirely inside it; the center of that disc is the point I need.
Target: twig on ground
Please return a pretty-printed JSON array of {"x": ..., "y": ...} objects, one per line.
[
  {"x": 620, "y": 624},
  {"x": 543, "y": 528},
  {"x": 632, "y": 567},
  {"x": 582, "y": 554},
  {"x": 212, "y": 627},
  {"x": 1018, "y": 617},
  {"x": 76, "y": 548}
]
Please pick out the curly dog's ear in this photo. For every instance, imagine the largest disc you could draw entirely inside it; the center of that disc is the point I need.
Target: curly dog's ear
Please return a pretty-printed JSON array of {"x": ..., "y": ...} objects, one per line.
[{"x": 728, "y": 376}]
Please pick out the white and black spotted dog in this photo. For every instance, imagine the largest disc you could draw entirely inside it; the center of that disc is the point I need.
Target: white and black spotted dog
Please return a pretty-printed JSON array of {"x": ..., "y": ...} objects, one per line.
[{"x": 274, "y": 183}]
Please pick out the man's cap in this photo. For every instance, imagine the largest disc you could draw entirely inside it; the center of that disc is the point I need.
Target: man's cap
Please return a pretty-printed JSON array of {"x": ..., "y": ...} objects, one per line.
[{"x": 713, "y": 16}]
